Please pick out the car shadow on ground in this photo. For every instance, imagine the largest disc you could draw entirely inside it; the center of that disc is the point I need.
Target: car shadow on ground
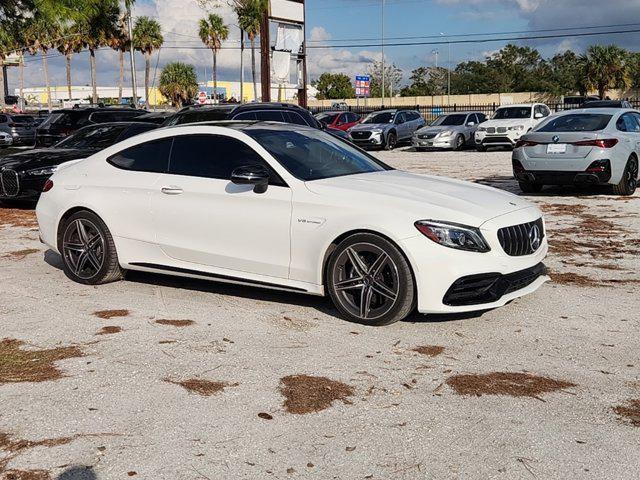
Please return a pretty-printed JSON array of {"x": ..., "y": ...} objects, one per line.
[
  {"x": 321, "y": 304},
  {"x": 77, "y": 472},
  {"x": 510, "y": 184}
]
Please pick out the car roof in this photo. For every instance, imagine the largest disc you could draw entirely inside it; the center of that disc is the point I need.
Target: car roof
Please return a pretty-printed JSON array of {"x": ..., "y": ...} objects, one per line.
[
  {"x": 245, "y": 125},
  {"x": 601, "y": 111},
  {"x": 520, "y": 105},
  {"x": 463, "y": 112}
]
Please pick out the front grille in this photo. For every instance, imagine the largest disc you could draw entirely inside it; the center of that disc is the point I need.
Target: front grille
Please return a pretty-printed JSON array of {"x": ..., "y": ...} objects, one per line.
[
  {"x": 10, "y": 183},
  {"x": 523, "y": 239},
  {"x": 426, "y": 136},
  {"x": 360, "y": 135},
  {"x": 491, "y": 130},
  {"x": 496, "y": 140},
  {"x": 502, "y": 129}
]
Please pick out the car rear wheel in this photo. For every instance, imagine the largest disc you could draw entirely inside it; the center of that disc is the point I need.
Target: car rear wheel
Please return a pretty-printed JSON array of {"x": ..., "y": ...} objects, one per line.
[
  {"x": 459, "y": 142},
  {"x": 528, "y": 187},
  {"x": 391, "y": 142},
  {"x": 629, "y": 180},
  {"x": 370, "y": 281},
  {"x": 481, "y": 148},
  {"x": 88, "y": 251}
]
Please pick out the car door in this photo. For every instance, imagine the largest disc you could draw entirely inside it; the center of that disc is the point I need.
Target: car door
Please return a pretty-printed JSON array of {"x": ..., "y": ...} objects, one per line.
[
  {"x": 632, "y": 130},
  {"x": 401, "y": 125},
  {"x": 201, "y": 217}
]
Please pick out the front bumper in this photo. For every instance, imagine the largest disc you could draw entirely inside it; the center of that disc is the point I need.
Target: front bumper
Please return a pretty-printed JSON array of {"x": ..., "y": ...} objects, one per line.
[
  {"x": 435, "y": 142},
  {"x": 375, "y": 140},
  {"x": 437, "y": 268},
  {"x": 508, "y": 138}
]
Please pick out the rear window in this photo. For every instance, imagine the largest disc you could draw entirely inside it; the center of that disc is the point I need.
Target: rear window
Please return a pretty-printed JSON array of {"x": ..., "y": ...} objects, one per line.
[
  {"x": 65, "y": 119},
  {"x": 98, "y": 137},
  {"x": 22, "y": 119},
  {"x": 582, "y": 122},
  {"x": 195, "y": 116}
]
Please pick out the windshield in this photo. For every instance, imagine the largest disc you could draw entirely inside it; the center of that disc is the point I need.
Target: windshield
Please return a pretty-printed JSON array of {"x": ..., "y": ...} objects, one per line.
[
  {"x": 313, "y": 154},
  {"x": 449, "y": 120},
  {"x": 22, "y": 119},
  {"x": 97, "y": 137},
  {"x": 380, "y": 117},
  {"x": 582, "y": 122},
  {"x": 327, "y": 118},
  {"x": 512, "y": 112}
]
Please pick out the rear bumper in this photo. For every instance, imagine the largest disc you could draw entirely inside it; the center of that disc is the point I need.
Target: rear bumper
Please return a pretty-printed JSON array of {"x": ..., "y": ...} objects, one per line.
[{"x": 563, "y": 177}]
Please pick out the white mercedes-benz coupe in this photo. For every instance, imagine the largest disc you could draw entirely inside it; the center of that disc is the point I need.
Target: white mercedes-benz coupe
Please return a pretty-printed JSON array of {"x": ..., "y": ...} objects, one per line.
[{"x": 296, "y": 209}]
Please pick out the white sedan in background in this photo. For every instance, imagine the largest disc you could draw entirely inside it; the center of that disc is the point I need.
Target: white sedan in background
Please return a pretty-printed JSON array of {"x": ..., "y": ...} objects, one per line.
[
  {"x": 593, "y": 146},
  {"x": 295, "y": 209}
]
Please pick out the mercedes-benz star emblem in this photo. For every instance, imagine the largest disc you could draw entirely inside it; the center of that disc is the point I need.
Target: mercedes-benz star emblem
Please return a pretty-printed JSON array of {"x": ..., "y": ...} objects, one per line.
[
  {"x": 534, "y": 237},
  {"x": 555, "y": 139}
]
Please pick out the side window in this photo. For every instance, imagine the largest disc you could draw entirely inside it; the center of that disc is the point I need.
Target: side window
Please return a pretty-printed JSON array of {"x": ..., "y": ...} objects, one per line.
[
  {"x": 354, "y": 117},
  {"x": 400, "y": 118},
  {"x": 269, "y": 116},
  {"x": 245, "y": 116},
  {"x": 481, "y": 117},
  {"x": 294, "y": 117},
  {"x": 630, "y": 123},
  {"x": 150, "y": 156},
  {"x": 215, "y": 156},
  {"x": 545, "y": 111},
  {"x": 343, "y": 118},
  {"x": 636, "y": 116},
  {"x": 123, "y": 116},
  {"x": 3, "y": 118}
]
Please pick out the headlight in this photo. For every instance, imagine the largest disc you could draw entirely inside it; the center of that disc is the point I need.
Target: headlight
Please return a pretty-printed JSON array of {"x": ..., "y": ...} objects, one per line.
[
  {"x": 453, "y": 235},
  {"x": 482, "y": 129},
  {"x": 516, "y": 127},
  {"x": 446, "y": 133},
  {"x": 41, "y": 172},
  {"x": 376, "y": 130}
]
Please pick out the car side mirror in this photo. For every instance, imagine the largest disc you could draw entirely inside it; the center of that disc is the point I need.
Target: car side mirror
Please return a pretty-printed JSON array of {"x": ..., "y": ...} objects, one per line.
[
  {"x": 538, "y": 115},
  {"x": 471, "y": 124},
  {"x": 255, "y": 175}
]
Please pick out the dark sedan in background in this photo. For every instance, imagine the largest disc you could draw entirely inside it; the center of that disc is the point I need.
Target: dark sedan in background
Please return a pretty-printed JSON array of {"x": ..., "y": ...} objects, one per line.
[
  {"x": 23, "y": 175},
  {"x": 21, "y": 128}
]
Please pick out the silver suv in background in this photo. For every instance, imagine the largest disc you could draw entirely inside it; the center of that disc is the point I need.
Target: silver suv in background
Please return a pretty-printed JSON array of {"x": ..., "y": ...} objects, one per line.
[
  {"x": 453, "y": 130},
  {"x": 386, "y": 128},
  {"x": 21, "y": 128}
]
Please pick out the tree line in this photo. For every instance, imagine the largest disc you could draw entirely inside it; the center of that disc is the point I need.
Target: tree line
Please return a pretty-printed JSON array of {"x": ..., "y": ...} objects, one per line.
[
  {"x": 512, "y": 69},
  {"x": 31, "y": 27}
]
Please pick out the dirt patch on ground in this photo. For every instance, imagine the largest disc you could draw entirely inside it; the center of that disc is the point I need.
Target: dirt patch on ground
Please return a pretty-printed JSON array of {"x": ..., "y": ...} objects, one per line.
[
  {"x": 107, "y": 314},
  {"x": 17, "y": 217},
  {"x": 506, "y": 383},
  {"x": 109, "y": 329},
  {"x": 563, "y": 209},
  {"x": 25, "y": 475},
  {"x": 307, "y": 394},
  {"x": 15, "y": 446},
  {"x": 176, "y": 323},
  {"x": 429, "y": 350},
  {"x": 205, "y": 388},
  {"x": 18, "y": 365},
  {"x": 630, "y": 412},
  {"x": 20, "y": 254},
  {"x": 569, "y": 278}
]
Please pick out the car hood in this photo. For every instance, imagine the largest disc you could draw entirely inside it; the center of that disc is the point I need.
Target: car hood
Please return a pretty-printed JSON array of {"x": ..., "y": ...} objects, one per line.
[
  {"x": 370, "y": 126},
  {"x": 507, "y": 122},
  {"x": 422, "y": 196},
  {"x": 437, "y": 128},
  {"x": 43, "y": 157}
]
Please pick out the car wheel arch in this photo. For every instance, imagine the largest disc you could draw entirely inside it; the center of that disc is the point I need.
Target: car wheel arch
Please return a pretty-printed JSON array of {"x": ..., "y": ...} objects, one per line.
[
  {"x": 335, "y": 242},
  {"x": 66, "y": 215}
]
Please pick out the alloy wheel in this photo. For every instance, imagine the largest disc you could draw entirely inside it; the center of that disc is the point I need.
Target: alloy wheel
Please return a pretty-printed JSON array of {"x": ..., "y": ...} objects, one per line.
[
  {"x": 366, "y": 281},
  {"x": 83, "y": 248},
  {"x": 632, "y": 175}
]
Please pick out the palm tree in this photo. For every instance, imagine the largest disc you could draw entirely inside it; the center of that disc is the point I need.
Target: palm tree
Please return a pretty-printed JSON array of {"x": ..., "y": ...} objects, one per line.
[
  {"x": 121, "y": 42},
  {"x": 178, "y": 82},
  {"x": 213, "y": 32},
  {"x": 42, "y": 34},
  {"x": 70, "y": 42},
  {"x": 97, "y": 28},
  {"x": 250, "y": 13},
  {"x": 6, "y": 45},
  {"x": 147, "y": 37},
  {"x": 606, "y": 67}
]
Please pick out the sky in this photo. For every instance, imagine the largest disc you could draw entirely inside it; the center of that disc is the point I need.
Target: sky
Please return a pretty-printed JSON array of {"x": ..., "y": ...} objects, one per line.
[{"x": 345, "y": 22}]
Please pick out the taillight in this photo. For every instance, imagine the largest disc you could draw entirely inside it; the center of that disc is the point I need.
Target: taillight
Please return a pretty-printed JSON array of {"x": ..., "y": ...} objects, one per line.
[
  {"x": 525, "y": 143},
  {"x": 48, "y": 185},
  {"x": 600, "y": 143},
  {"x": 599, "y": 166}
]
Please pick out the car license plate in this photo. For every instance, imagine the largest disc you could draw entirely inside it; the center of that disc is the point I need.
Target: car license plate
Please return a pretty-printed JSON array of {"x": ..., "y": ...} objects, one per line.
[{"x": 557, "y": 148}]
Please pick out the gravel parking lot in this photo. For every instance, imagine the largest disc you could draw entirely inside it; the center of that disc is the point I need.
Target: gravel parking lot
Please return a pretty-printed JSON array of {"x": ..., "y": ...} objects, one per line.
[{"x": 166, "y": 378}]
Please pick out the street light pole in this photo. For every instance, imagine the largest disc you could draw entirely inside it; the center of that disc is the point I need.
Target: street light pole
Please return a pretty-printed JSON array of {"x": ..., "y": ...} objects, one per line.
[
  {"x": 134, "y": 89},
  {"x": 435, "y": 52},
  {"x": 449, "y": 75},
  {"x": 382, "y": 43}
]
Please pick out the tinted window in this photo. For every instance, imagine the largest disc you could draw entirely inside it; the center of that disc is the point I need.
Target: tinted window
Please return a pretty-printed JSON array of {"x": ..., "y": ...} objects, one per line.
[
  {"x": 214, "y": 156},
  {"x": 93, "y": 137},
  {"x": 3, "y": 118},
  {"x": 135, "y": 130},
  {"x": 313, "y": 154},
  {"x": 245, "y": 116},
  {"x": 270, "y": 116},
  {"x": 150, "y": 156},
  {"x": 294, "y": 117},
  {"x": 327, "y": 118},
  {"x": 21, "y": 119},
  {"x": 343, "y": 118},
  {"x": 512, "y": 112},
  {"x": 450, "y": 120},
  {"x": 481, "y": 117},
  {"x": 629, "y": 122},
  {"x": 199, "y": 115},
  {"x": 577, "y": 122},
  {"x": 66, "y": 119},
  {"x": 353, "y": 117}
]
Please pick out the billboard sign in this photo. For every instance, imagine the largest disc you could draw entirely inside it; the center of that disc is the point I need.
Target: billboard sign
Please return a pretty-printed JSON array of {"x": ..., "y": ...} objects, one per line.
[{"x": 363, "y": 86}]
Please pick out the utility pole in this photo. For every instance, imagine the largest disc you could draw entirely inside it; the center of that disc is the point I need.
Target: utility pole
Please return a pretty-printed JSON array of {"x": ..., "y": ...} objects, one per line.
[
  {"x": 449, "y": 75},
  {"x": 435, "y": 52},
  {"x": 265, "y": 57},
  {"x": 134, "y": 89},
  {"x": 382, "y": 43},
  {"x": 302, "y": 92},
  {"x": 241, "y": 65}
]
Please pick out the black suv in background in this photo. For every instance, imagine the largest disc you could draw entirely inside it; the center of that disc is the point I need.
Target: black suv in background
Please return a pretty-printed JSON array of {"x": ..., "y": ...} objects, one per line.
[
  {"x": 22, "y": 128},
  {"x": 62, "y": 123},
  {"x": 272, "y": 112}
]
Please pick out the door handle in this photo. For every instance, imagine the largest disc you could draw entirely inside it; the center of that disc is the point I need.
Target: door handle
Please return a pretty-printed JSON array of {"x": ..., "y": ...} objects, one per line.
[{"x": 171, "y": 190}]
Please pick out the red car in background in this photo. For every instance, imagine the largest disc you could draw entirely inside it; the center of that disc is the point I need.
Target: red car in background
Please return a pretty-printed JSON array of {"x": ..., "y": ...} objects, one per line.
[{"x": 338, "y": 120}]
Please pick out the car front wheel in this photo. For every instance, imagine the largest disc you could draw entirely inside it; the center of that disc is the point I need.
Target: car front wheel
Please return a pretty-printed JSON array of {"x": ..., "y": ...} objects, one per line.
[
  {"x": 390, "y": 144},
  {"x": 370, "y": 281},
  {"x": 629, "y": 180},
  {"x": 88, "y": 251}
]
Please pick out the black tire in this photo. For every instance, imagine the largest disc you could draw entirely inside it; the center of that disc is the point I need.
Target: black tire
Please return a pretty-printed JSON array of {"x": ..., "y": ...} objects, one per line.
[
  {"x": 481, "y": 148},
  {"x": 391, "y": 141},
  {"x": 629, "y": 180},
  {"x": 459, "y": 143},
  {"x": 386, "y": 289},
  {"x": 98, "y": 255},
  {"x": 528, "y": 187},
  {"x": 420, "y": 149}
]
